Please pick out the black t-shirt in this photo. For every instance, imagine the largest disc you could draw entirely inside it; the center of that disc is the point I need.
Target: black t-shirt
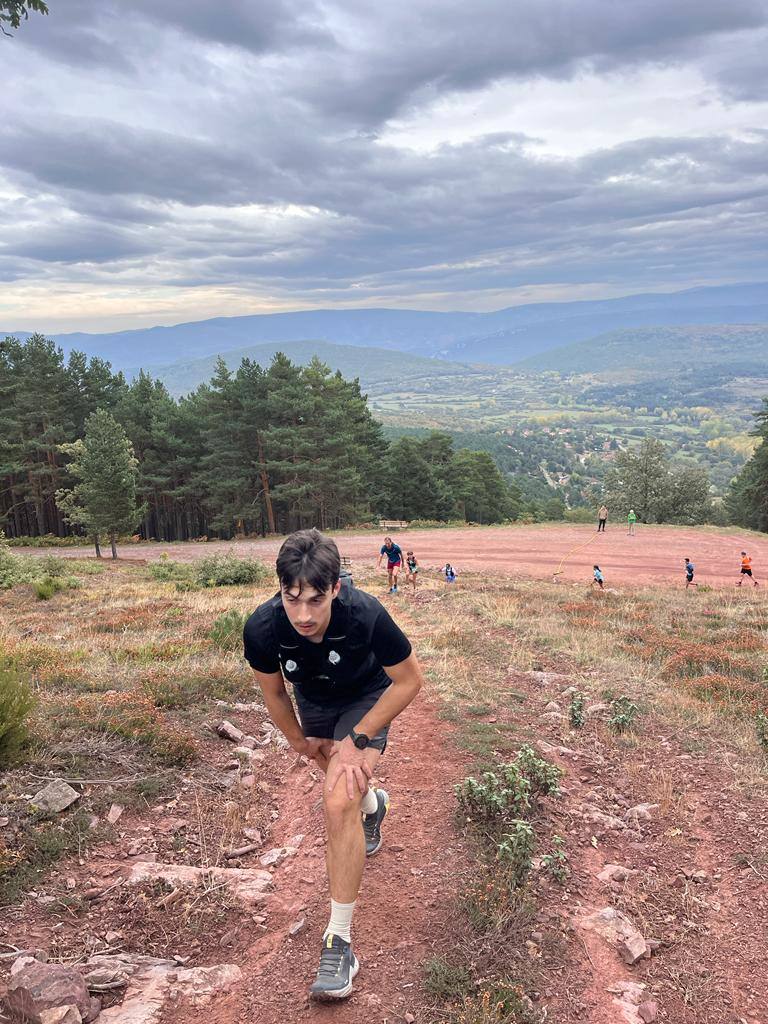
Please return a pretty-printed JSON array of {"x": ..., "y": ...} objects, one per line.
[{"x": 360, "y": 640}]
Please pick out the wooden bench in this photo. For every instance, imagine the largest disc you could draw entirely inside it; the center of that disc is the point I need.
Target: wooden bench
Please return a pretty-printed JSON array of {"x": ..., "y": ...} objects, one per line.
[{"x": 393, "y": 524}]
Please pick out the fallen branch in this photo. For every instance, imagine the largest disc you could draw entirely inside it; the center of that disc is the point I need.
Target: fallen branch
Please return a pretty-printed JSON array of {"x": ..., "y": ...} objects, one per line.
[{"x": 241, "y": 851}]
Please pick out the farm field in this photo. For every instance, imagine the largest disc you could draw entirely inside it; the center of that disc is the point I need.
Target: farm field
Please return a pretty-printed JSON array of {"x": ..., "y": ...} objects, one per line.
[
  {"x": 662, "y": 813},
  {"x": 654, "y": 556}
]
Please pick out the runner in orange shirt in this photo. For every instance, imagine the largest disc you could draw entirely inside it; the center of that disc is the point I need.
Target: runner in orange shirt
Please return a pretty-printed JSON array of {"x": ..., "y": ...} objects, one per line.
[{"x": 746, "y": 568}]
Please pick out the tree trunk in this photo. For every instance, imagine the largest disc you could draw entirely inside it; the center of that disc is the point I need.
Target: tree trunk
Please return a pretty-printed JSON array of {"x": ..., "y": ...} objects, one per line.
[
  {"x": 98, "y": 546},
  {"x": 265, "y": 489},
  {"x": 112, "y": 543}
]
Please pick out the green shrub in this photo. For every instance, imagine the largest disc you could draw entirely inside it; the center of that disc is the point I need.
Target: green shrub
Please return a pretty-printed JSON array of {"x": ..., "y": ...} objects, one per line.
[
  {"x": 515, "y": 851},
  {"x": 624, "y": 714},
  {"x": 505, "y": 795},
  {"x": 52, "y": 565},
  {"x": 576, "y": 710},
  {"x": 445, "y": 980},
  {"x": 227, "y": 630},
  {"x": 556, "y": 862},
  {"x": 14, "y": 569},
  {"x": 16, "y": 702},
  {"x": 543, "y": 776},
  {"x": 761, "y": 725},
  {"x": 230, "y": 571},
  {"x": 165, "y": 570}
]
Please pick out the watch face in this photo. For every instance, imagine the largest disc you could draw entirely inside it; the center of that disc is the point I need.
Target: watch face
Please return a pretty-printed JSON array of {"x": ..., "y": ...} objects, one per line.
[{"x": 361, "y": 741}]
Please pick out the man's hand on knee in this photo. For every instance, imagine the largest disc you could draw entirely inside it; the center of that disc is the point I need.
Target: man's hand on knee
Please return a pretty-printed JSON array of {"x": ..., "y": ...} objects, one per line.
[{"x": 353, "y": 764}]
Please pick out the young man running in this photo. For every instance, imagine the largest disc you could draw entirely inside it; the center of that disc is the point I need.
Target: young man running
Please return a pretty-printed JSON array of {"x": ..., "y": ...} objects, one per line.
[
  {"x": 353, "y": 671},
  {"x": 412, "y": 569},
  {"x": 394, "y": 555},
  {"x": 689, "y": 571},
  {"x": 746, "y": 568}
]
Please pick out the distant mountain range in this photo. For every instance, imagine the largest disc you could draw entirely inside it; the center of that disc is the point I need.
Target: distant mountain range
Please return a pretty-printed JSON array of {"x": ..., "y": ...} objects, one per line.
[
  {"x": 376, "y": 367},
  {"x": 694, "y": 356},
  {"x": 737, "y": 350},
  {"x": 504, "y": 337}
]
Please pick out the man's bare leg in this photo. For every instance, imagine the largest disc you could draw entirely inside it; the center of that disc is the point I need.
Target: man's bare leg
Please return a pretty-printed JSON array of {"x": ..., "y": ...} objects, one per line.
[
  {"x": 345, "y": 858},
  {"x": 345, "y": 851}
]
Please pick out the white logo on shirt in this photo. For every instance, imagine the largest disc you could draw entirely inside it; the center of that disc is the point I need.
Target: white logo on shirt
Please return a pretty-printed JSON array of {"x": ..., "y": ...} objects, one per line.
[
  {"x": 290, "y": 666},
  {"x": 334, "y": 658}
]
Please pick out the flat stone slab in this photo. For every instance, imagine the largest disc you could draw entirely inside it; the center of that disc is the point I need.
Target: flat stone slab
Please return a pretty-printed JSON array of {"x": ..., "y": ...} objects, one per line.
[
  {"x": 56, "y": 796},
  {"x": 249, "y": 885}
]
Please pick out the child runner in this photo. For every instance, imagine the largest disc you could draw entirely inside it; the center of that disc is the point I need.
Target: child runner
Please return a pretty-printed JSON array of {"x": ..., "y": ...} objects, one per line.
[
  {"x": 394, "y": 555},
  {"x": 450, "y": 573},
  {"x": 413, "y": 567},
  {"x": 598, "y": 576},
  {"x": 602, "y": 516},
  {"x": 746, "y": 568},
  {"x": 353, "y": 671},
  {"x": 631, "y": 520},
  {"x": 689, "y": 570}
]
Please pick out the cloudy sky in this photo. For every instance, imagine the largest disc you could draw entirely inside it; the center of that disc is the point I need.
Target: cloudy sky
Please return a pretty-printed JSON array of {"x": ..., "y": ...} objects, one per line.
[{"x": 171, "y": 160}]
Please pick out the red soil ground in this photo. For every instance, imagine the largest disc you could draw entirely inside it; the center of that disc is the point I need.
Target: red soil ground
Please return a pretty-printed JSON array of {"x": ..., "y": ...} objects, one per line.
[{"x": 654, "y": 556}]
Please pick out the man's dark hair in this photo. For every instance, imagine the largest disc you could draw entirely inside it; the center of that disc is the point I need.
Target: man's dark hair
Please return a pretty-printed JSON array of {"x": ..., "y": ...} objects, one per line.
[{"x": 308, "y": 556}]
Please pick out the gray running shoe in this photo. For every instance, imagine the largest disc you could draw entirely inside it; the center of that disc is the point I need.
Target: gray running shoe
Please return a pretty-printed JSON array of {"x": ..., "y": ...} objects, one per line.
[
  {"x": 372, "y": 823},
  {"x": 338, "y": 966}
]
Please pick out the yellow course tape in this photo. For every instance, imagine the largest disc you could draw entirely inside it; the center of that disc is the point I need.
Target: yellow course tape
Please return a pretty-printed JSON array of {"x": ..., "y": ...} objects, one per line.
[{"x": 564, "y": 559}]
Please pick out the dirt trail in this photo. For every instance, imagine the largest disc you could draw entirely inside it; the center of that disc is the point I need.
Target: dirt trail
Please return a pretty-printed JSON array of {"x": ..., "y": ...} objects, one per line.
[
  {"x": 654, "y": 556},
  {"x": 408, "y": 890}
]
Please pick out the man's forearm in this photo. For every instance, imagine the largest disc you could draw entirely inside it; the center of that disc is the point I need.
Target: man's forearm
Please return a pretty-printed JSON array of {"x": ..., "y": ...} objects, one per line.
[
  {"x": 281, "y": 711},
  {"x": 395, "y": 699}
]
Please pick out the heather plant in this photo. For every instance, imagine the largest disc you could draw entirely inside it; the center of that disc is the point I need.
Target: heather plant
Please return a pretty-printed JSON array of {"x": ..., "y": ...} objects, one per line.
[
  {"x": 16, "y": 703},
  {"x": 230, "y": 571},
  {"x": 227, "y": 630}
]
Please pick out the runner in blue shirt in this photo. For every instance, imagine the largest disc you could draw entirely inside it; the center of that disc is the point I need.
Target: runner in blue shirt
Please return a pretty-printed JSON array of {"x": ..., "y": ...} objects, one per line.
[
  {"x": 394, "y": 555},
  {"x": 689, "y": 570}
]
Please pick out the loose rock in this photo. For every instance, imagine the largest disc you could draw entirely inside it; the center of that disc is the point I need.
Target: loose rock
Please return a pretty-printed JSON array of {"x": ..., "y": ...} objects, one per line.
[
  {"x": 56, "y": 796},
  {"x": 35, "y": 987},
  {"x": 617, "y": 929},
  {"x": 229, "y": 732}
]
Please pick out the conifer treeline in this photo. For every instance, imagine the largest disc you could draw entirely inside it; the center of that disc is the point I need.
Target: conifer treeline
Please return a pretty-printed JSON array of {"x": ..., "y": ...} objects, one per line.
[{"x": 260, "y": 450}]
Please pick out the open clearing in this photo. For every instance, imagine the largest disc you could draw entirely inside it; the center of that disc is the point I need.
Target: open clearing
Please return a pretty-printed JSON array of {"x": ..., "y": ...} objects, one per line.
[
  {"x": 129, "y": 682},
  {"x": 653, "y": 556}
]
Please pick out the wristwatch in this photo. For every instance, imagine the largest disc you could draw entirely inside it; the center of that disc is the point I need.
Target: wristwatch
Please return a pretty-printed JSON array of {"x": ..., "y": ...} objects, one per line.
[{"x": 360, "y": 740}]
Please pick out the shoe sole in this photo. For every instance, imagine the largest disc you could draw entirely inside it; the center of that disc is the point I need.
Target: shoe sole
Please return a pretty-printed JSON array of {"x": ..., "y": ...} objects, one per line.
[{"x": 342, "y": 993}]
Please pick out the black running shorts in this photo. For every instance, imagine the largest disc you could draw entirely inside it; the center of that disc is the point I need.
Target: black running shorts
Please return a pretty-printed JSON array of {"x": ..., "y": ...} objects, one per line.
[
  {"x": 335, "y": 720},
  {"x": 745, "y": 571}
]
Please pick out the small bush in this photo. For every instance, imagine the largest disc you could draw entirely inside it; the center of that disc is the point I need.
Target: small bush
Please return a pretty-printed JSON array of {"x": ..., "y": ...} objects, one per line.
[
  {"x": 556, "y": 862},
  {"x": 515, "y": 851},
  {"x": 761, "y": 726},
  {"x": 624, "y": 714},
  {"x": 16, "y": 702},
  {"x": 227, "y": 630},
  {"x": 47, "y": 586},
  {"x": 52, "y": 565},
  {"x": 576, "y": 710},
  {"x": 505, "y": 795},
  {"x": 165, "y": 570},
  {"x": 230, "y": 571},
  {"x": 445, "y": 980}
]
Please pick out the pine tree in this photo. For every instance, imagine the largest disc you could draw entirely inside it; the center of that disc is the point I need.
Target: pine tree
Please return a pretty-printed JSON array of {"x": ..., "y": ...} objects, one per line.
[
  {"x": 747, "y": 501},
  {"x": 103, "y": 501}
]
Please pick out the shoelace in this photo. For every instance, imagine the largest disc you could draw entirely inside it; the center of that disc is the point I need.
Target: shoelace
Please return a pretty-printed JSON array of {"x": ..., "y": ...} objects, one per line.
[{"x": 330, "y": 962}]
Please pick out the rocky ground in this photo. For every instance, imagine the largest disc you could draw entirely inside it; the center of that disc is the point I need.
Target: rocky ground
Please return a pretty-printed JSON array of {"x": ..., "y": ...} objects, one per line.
[{"x": 206, "y": 898}]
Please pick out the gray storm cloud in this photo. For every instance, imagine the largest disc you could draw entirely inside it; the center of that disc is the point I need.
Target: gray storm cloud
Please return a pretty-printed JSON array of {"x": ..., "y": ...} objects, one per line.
[{"x": 247, "y": 145}]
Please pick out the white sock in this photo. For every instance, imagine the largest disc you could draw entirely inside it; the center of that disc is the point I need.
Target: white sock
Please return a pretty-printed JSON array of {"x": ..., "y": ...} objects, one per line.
[
  {"x": 369, "y": 802},
  {"x": 340, "y": 922}
]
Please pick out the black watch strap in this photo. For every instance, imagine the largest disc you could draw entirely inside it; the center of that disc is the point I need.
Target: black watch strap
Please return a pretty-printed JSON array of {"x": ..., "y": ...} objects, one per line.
[{"x": 360, "y": 740}]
